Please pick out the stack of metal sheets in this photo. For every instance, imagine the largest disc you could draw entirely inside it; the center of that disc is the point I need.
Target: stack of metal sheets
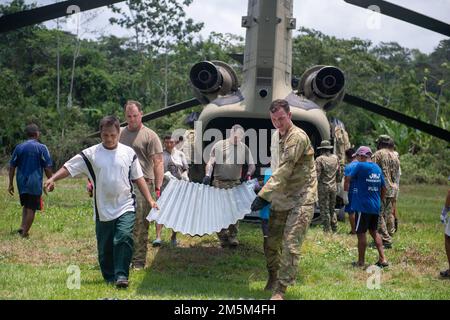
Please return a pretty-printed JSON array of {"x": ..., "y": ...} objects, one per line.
[{"x": 197, "y": 209}]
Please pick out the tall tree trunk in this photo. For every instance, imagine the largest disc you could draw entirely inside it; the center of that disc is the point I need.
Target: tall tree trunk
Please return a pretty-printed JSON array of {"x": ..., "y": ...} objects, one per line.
[{"x": 75, "y": 56}]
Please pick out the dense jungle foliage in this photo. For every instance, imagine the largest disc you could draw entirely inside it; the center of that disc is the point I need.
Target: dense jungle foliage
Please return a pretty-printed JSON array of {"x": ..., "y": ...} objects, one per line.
[{"x": 97, "y": 76}]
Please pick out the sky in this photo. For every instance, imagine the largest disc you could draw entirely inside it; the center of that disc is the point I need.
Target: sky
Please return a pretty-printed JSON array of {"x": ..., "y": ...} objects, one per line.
[{"x": 331, "y": 17}]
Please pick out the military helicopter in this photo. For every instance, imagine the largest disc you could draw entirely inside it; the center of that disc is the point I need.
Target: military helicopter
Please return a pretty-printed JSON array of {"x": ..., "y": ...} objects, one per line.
[{"x": 266, "y": 73}]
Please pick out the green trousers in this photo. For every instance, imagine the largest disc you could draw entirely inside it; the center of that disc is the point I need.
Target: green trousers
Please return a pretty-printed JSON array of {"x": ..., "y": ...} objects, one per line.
[{"x": 115, "y": 246}]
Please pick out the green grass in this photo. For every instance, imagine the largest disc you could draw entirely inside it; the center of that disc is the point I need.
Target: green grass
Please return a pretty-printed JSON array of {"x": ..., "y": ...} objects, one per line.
[{"x": 63, "y": 235}]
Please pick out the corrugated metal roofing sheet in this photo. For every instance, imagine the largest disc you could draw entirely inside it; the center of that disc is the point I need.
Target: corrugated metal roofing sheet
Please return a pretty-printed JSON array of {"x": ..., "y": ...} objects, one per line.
[{"x": 197, "y": 209}]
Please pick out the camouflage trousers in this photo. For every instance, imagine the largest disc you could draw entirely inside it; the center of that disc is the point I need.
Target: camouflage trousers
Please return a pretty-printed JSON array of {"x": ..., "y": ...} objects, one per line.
[
  {"x": 232, "y": 230},
  {"x": 327, "y": 202},
  {"x": 386, "y": 223},
  {"x": 287, "y": 230},
  {"x": 141, "y": 225}
]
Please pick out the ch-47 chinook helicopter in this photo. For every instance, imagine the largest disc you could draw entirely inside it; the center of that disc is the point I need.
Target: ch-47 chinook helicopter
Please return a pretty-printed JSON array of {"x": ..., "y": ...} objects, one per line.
[{"x": 266, "y": 72}]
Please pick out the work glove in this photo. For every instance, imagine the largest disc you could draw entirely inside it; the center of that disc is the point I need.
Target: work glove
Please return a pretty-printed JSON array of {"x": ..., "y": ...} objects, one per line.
[
  {"x": 207, "y": 180},
  {"x": 345, "y": 197},
  {"x": 444, "y": 215},
  {"x": 259, "y": 203}
]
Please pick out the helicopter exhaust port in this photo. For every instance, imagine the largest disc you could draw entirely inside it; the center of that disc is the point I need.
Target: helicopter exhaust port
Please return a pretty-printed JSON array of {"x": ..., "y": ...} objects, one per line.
[
  {"x": 210, "y": 79},
  {"x": 324, "y": 85},
  {"x": 328, "y": 82}
]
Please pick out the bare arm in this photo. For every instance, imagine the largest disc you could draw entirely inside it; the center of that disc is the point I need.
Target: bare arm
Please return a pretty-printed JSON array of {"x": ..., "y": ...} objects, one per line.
[
  {"x": 211, "y": 162},
  {"x": 12, "y": 171},
  {"x": 62, "y": 173},
  {"x": 347, "y": 183},
  {"x": 184, "y": 162},
  {"x": 383, "y": 192},
  {"x": 158, "y": 169},
  {"x": 250, "y": 162},
  {"x": 48, "y": 172},
  {"x": 251, "y": 169},
  {"x": 145, "y": 192}
]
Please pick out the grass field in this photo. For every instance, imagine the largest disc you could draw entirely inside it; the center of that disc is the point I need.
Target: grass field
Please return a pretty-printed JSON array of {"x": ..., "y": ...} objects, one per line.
[{"x": 63, "y": 235}]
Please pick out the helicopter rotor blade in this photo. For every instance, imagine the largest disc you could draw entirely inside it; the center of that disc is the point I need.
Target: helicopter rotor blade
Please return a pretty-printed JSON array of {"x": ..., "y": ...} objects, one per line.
[
  {"x": 238, "y": 57},
  {"x": 399, "y": 117},
  {"x": 404, "y": 14},
  {"x": 160, "y": 113},
  {"x": 170, "y": 109},
  {"x": 37, "y": 15}
]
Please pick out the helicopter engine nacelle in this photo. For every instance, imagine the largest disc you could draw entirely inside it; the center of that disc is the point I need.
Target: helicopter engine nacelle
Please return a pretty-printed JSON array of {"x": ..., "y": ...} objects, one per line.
[
  {"x": 324, "y": 85},
  {"x": 211, "y": 79}
]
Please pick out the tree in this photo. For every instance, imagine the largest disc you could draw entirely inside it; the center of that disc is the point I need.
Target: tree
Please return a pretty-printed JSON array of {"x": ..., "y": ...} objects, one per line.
[
  {"x": 157, "y": 26},
  {"x": 155, "y": 22}
]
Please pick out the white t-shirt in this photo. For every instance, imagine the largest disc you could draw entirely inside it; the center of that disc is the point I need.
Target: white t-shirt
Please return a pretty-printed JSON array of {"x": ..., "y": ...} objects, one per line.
[
  {"x": 175, "y": 162},
  {"x": 112, "y": 170}
]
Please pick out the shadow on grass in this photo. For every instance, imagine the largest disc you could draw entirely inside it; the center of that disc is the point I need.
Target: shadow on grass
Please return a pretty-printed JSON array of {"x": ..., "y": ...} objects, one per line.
[{"x": 202, "y": 271}]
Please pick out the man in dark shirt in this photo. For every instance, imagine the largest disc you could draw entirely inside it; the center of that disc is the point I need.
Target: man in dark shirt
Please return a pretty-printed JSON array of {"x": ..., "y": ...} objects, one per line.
[{"x": 30, "y": 158}]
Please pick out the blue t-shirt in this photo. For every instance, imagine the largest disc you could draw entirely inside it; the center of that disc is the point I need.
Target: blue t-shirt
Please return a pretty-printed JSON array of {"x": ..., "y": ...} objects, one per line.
[
  {"x": 369, "y": 181},
  {"x": 30, "y": 158},
  {"x": 352, "y": 188}
]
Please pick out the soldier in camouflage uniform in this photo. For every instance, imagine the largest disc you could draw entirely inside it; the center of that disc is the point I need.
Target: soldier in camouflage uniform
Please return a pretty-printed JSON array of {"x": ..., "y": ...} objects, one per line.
[
  {"x": 390, "y": 165},
  {"x": 227, "y": 158},
  {"x": 341, "y": 141},
  {"x": 292, "y": 192},
  {"x": 328, "y": 173}
]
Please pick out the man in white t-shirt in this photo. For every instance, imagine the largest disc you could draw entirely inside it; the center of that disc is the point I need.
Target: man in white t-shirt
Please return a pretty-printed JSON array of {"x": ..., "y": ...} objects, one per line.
[
  {"x": 112, "y": 168},
  {"x": 174, "y": 162}
]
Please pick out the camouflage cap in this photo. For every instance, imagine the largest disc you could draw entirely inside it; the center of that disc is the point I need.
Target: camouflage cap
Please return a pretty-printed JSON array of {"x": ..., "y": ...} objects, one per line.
[
  {"x": 325, "y": 144},
  {"x": 384, "y": 138}
]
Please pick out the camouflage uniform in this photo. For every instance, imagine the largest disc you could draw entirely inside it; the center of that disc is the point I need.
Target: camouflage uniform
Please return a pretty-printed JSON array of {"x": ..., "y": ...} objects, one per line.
[
  {"x": 328, "y": 168},
  {"x": 390, "y": 166},
  {"x": 229, "y": 159},
  {"x": 292, "y": 191},
  {"x": 341, "y": 143},
  {"x": 141, "y": 225},
  {"x": 232, "y": 230}
]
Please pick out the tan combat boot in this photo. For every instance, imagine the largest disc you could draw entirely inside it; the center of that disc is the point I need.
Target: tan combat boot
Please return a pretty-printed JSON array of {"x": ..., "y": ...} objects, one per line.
[{"x": 278, "y": 292}]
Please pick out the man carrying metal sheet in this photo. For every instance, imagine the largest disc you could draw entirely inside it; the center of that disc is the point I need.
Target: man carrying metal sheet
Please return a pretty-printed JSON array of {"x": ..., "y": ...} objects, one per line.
[
  {"x": 174, "y": 162},
  {"x": 292, "y": 192},
  {"x": 227, "y": 158}
]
